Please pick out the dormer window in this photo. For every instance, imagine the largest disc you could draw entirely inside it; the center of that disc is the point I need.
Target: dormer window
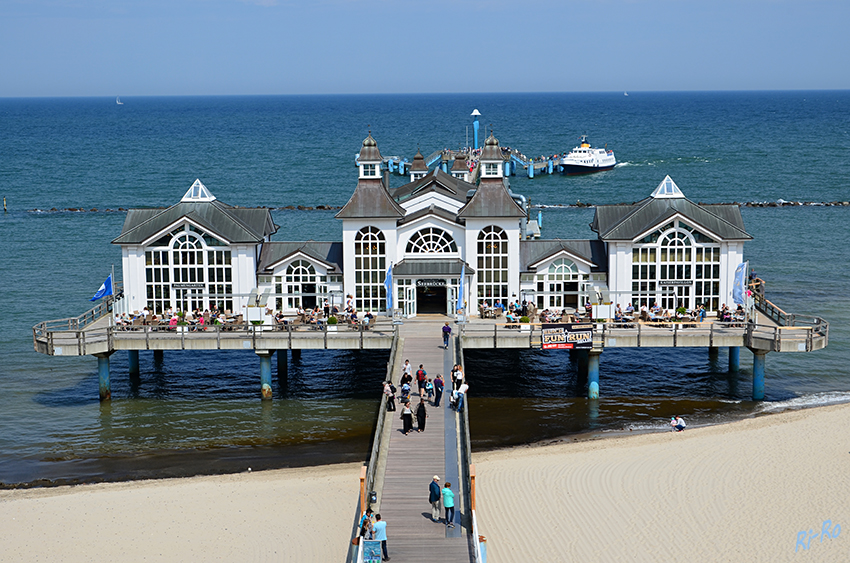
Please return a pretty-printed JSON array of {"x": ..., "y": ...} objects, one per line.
[
  {"x": 416, "y": 175},
  {"x": 370, "y": 170},
  {"x": 491, "y": 169}
]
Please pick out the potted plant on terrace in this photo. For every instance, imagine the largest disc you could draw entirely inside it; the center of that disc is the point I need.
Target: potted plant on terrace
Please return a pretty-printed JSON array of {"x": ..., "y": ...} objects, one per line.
[
  {"x": 332, "y": 322},
  {"x": 523, "y": 324}
]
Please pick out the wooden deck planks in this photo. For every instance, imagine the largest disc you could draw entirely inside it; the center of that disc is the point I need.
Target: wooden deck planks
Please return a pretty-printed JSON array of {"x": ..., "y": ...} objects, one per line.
[{"x": 413, "y": 460}]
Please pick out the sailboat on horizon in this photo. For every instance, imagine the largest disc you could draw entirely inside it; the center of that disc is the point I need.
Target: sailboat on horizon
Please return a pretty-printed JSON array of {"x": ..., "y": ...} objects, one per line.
[{"x": 118, "y": 101}]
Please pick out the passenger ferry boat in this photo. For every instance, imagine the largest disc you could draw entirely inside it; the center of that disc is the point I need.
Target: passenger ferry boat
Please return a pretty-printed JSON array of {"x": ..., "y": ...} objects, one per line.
[{"x": 584, "y": 159}]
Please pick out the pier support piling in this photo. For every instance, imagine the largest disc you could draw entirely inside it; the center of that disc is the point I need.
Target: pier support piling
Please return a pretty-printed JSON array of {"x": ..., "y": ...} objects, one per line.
[
  {"x": 282, "y": 366},
  {"x": 713, "y": 352},
  {"x": 296, "y": 355},
  {"x": 265, "y": 373},
  {"x": 157, "y": 356},
  {"x": 734, "y": 358},
  {"x": 758, "y": 374},
  {"x": 593, "y": 374},
  {"x": 103, "y": 376},
  {"x": 133, "y": 362}
]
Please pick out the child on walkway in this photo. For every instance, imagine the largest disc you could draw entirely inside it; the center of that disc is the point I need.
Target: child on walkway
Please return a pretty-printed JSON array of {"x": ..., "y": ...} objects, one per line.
[{"x": 429, "y": 389}]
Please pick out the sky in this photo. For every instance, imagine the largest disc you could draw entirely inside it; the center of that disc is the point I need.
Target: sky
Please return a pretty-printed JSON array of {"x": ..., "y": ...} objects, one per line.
[{"x": 271, "y": 47}]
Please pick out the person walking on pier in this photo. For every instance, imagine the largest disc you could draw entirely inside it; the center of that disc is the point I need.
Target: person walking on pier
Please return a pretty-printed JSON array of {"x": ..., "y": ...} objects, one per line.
[
  {"x": 389, "y": 391},
  {"x": 379, "y": 528},
  {"x": 406, "y": 372},
  {"x": 421, "y": 380},
  {"x": 407, "y": 418},
  {"x": 449, "y": 504},
  {"x": 421, "y": 415},
  {"x": 434, "y": 496},
  {"x": 438, "y": 389},
  {"x": 447, "y": 332}
]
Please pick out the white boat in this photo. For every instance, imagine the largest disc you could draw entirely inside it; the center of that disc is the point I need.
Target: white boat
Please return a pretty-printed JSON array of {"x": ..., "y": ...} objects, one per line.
[
  {"x": 585, "y": 159},
  {"x": 118, "y": 101}
]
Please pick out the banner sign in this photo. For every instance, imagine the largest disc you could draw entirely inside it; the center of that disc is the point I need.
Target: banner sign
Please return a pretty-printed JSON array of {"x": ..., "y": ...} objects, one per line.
[
  {"x": 372, "y": 551},
  {"x": 568, "y": 336},
  {"x": 430, "y": 283},
  {"x": 676, "y": 282},
  {"x": 188, "y": 285}
]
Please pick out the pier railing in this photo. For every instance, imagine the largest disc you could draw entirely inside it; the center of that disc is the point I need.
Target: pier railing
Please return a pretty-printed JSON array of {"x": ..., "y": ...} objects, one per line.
[
  {"x": 468, "y": 469},
  {"x": 55, "y": 338},
  {"x": 807, "y": 333}
]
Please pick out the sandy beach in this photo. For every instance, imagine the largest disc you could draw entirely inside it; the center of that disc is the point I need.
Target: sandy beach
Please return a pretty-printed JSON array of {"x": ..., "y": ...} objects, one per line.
[
  {"x": 738, "y": 492},
  {"x": 301, "y": 514}
]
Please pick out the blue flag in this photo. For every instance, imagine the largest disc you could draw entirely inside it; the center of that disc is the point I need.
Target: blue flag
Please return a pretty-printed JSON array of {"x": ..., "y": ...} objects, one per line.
[
  {"x": 105, "y": 289},
  {"x": 388, "y": 283},
  {"x": 739, "y": 285},
  {"x": 459, "y": 304}
]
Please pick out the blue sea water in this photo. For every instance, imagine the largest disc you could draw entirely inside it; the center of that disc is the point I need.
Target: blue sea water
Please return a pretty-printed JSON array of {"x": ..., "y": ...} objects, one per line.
[{"x": 201, "y": 413}]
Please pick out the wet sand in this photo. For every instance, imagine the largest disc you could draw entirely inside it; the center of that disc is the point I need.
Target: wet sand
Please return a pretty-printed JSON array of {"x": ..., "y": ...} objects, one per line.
[{"x": 735, "y": 492}]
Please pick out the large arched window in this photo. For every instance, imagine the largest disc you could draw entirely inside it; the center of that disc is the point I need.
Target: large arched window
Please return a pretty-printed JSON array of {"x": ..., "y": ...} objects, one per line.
[
  {"x": 558, "y": 286},
  {"x": 492, "y": 265},
  {"x": 188, "y": 269},
  {"x": 676, "y": 266},
  {"x": 301, "y": 285},
  {"x": 370, "y": 268},
  {"x": 431, "y": 240}
]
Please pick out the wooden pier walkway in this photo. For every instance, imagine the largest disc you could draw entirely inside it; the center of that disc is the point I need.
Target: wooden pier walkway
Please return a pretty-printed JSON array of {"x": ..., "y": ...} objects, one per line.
[{"x": 413, "y": 460}]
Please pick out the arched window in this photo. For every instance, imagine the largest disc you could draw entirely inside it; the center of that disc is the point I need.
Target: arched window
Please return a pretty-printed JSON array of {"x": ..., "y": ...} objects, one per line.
[
  {"x": 492, "y": 265},
  {"x": 370, "y": 268},
  {"x": 558, "y": 286},
  {"x": 677, "y": 266},
  {"x": 431, "y": 240},
  {"x": 301, "y": 285},
  {"x": 185, "y": 272}
]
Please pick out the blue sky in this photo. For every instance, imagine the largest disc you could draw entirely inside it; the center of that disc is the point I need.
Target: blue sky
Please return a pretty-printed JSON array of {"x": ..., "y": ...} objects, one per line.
[{"x": 221, "y": 47}]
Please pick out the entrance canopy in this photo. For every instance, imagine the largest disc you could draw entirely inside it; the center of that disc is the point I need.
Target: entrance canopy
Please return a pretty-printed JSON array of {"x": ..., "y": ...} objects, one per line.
[{"x": 431, "y": 267}]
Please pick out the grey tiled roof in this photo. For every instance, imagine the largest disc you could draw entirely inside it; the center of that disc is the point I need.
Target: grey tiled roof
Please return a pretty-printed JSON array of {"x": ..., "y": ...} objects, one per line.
[
  {"x": 533, "y": 251},
  {"x": 627, "y": 222},
  {"x": 327, "y": 252},
  {"x": 491, "y": 149},
  {"x": 431, "y": 267},
  {"x": 491, "y": 199},
  {"x": 435, "y": 181},
  {"x": 370, "y": 199},
  {"x": 236, "y": 225}
]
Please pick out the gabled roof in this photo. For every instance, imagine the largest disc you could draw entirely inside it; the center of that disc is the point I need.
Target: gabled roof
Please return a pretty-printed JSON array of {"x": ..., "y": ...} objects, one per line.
[
  {"x": 491, "y": 199},
  {"x": 369, "y": 200},
  {"x": 328, "y": 253},
  {"x": 628, "y": 222},
  {"x": 435, "y": 181},
  {"x": 431, "y": 210},
  {"x": 235, "y": 225},
  {"x": 532, "y": 252}
]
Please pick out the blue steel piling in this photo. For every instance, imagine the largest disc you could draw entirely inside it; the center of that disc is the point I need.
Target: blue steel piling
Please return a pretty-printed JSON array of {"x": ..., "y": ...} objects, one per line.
[
  {"x": 758, "y": 374},
  {"x": 593, "y": 375},
  {"x": 103, "y": 377},
  {"x": 265, "y": 374},
  {"x": 734, "y": 358}
]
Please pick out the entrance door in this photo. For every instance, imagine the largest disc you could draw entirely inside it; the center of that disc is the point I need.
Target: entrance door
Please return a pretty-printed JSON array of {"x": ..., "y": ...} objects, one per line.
[
  {"x": 451, "y": 298},
  {"x": 308, "y": 295},
  {"x": 431, "y": 300},
  {"x": 409, "y": 301}
]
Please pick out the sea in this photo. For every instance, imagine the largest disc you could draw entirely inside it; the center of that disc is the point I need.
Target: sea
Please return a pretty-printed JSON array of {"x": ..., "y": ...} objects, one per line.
[{"x": 69, "y": 165}]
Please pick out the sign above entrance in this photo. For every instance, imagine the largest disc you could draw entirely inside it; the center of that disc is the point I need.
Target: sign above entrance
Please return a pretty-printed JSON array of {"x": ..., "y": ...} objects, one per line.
[
  {"x": 676, "y": 282},
  {"x": 567, "y": 337},
  {"x": 188, "y": 285},
  {"x": 430, "y": 283}
]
